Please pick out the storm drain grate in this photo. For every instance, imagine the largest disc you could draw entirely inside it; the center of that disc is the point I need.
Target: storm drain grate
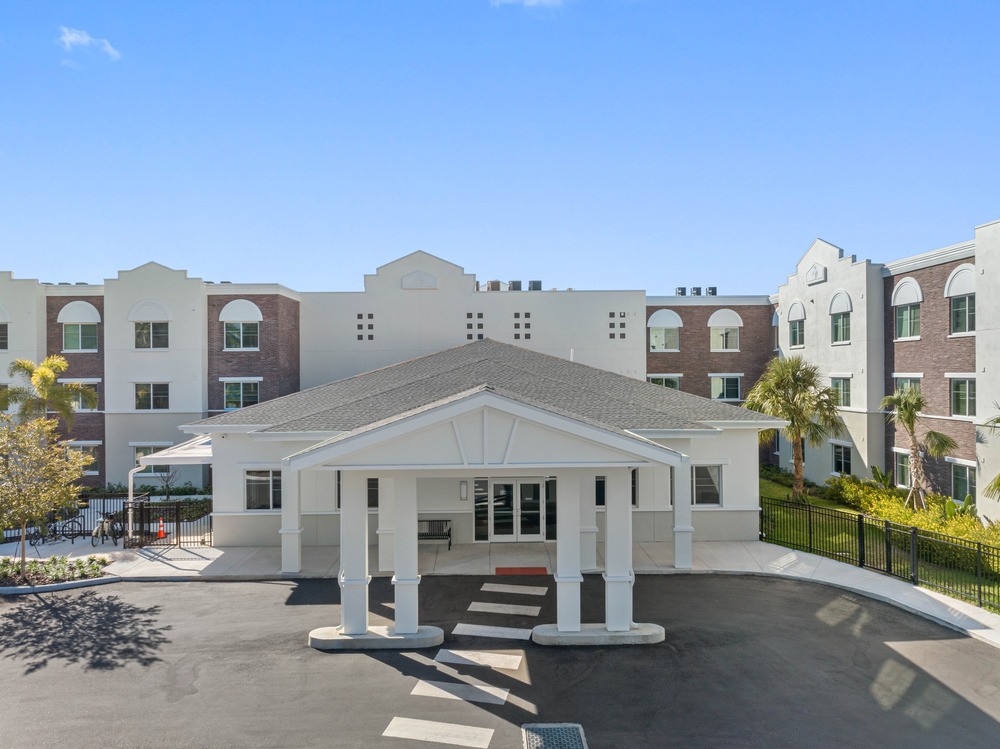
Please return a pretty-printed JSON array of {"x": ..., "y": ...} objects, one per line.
[{"x": 553, "y": 736}]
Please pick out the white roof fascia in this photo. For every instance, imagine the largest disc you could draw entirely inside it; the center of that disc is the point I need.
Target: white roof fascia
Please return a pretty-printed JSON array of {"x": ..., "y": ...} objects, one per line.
[
  {"x": 227, "y": 429},
  {"x": 758, "y": 425},
  {"x": 293, "y": 436},
  {"x": 197, "y": 451},
  {"x": 452, "y": 408},
  {"x": 708, "y": 301},
  {"x": 960, "y": 251},
  {"x": 676, "y": 433}
]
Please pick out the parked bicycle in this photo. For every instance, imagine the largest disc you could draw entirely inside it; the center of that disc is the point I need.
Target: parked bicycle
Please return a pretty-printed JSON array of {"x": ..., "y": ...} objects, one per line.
[
  {"x": 107, "y": 528},
  {"x": 55, "y": 530}
]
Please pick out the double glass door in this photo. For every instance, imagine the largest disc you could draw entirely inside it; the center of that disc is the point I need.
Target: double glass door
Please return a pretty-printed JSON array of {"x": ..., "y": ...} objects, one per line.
[{"x": 517, "y": 510}]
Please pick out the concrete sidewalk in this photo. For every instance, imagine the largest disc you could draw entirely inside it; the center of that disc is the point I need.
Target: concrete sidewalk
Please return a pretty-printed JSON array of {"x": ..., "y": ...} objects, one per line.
[{"x": 742, "y": 558}]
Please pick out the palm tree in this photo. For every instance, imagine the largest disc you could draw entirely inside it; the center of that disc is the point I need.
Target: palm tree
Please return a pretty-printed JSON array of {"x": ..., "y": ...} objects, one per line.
[
  {"x": 793, "y": 390},
  {"x": 904, "y": 408},
  {"x": 44, "y": 392},
  {"x": 993, "y": 488}
]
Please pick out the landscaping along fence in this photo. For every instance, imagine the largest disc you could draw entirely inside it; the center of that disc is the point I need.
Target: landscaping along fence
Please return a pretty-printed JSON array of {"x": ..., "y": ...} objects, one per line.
[
  {"x": 167, "y": 523},
  {"x": 962, "y": 569}
]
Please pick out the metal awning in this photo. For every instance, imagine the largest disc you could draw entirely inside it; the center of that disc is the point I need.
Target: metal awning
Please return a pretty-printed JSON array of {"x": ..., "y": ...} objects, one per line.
[{"x": 197, "y": 451}]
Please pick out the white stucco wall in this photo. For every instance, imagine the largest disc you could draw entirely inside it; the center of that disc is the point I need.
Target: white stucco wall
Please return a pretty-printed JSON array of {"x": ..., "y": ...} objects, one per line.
[
  {"x": 987, "y": 362},
  {"x": 22, "y": 308}
]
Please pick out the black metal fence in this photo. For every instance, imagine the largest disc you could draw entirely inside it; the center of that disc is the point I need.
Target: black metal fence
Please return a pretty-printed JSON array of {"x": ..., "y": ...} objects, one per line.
[
  {"x": 955, "y": 566},
  {"x": 183, "y": 523},
  {"x": 88, "y": 510}
]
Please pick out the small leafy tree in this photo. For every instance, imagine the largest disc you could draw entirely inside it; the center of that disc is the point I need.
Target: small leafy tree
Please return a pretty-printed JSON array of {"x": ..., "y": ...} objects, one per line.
[
  {"x": 38, "y": 474},
  {"x": 44, "y": 392},
  {"x": 792, "y": 389},
  {"x": 904, "y": 407}
]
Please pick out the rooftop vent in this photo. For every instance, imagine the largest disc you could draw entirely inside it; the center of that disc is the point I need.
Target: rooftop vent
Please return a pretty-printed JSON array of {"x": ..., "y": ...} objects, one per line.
[
  {"x": 696, "y": 291},
  {"x": 711, "y": 291},
  {"x": 534, "y": 285},
  {"x": 514, "y": 286},
  {"x": 680, "y": 291},
  {"x": 493, "y": 286}
]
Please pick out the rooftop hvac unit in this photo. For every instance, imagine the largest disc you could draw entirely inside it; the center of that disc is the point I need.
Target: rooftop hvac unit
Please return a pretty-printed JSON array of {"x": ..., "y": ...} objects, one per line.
[
  {"x": 514, "y": 286},
  {"x": 534, "y": 285},
  {"x": 696, "y": 291},
  {"x": 493, "y": 286},
  {"x": 680, "y": 291},
  {"x": 711, "y": 291}
]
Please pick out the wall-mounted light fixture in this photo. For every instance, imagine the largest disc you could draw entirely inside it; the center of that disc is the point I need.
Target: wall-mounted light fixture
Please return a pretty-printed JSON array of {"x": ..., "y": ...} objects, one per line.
[{"x": 463, "y": 490}]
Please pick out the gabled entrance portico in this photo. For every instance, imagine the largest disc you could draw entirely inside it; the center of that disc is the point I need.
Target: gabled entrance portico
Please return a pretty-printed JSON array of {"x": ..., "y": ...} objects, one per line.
[{"x": 526, "y": 453}]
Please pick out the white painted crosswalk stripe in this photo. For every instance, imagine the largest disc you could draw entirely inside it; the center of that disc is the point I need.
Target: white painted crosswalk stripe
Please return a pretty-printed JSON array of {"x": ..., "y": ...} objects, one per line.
[
  {"x": 504, "y": 633},
  {"x": 505, "y": 661},
  {"x": 467, "y": 692},
  {"x": 526, "y": 590},
  {"x": 504, "y": 608},
  {"x": 443, "y": 733}
]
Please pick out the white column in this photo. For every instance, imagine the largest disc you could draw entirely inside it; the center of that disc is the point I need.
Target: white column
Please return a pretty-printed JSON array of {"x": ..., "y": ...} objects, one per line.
[
  {"x": 386, "y": 523},
  {"x": 588, "y": 522},
  {"x": 618, "y": 575},
  {"x": 291, "y": 522},
  {"x": 568, "y": 577},
  {"x": 683, "y": 527},
  {"x": 406, "y": 578},
  {"x": 354, "y": 576}
]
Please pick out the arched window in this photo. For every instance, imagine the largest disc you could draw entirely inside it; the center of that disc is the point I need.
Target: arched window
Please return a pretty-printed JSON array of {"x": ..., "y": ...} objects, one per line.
[
  {"x": 840, "y": 317},
  {"x": 961, "y": 292},
  {"x": 152, "y": 324},
  {"x": 796, "y": 325},
  {"x": 725, "y": 333},
  {"x": 241, "y": 325},
  {"x": 664, "y": 330},
  {"x": 906, "y": 299},
  {"x": 79, "y": 320}
]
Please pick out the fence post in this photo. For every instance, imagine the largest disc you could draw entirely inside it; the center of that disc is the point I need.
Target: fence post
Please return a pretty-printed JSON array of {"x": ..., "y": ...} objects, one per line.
[
  {"x": 888, "y": 549},
  {"x": 914, "y": 560},
  {"x": 861, "y": 540},
  {"x": 177, "y": 523},
  {"x": 809, "y": 523},
  {"x": 979, "y": 574}
]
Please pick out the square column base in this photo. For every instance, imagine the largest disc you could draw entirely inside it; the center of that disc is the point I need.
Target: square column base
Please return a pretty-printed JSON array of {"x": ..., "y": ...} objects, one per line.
[
  {"x": 598, "y": 634},
  {"x": 377, "y": 638}
]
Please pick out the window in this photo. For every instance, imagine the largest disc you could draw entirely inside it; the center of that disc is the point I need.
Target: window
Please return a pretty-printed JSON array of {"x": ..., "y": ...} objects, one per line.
[
  {"x": 908, "y": 321},
  {"x": 80, "y": 336},
  {"x": 907, "y": 383},
  {"x": 263, "y": 490},
  {"x": 142, "y": 451},
  {"x": 635, "y": 487},
  {"x": 963, "y": 397},
  {"x": 706, "y": 485},
  {"x": 963, "y": 314},
  {"x": 78, "y": 404},
  {"x": 152, "y": 396},
  {"x": 797, "y": 333},
  {"x": 842, "y": 387},
  {"x": 726, "y": 387},
  {"x": 93, "y": 468},
  {"x": 372, "y": 494},
  {"x": 902, "y": 470},
  {"x": 841, "y": 327},
  {"x": 601, "y": 487},
  {"x": 3, "y": 336},
  {"x": 667, "y": 381},
  {"x": 664, "y": 339},
  {"x": 842, "y": 459},
  {"x": 725, "y": 339},
  {"x": 241, "y": 394},
  {"x": 242, "y": 335},
  {"x": 152, "y": 334},
  {"x": 963, "y": 482}
]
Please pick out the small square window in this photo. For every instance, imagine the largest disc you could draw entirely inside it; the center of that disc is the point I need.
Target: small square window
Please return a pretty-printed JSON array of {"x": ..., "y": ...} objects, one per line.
[
  {"x": 611, "y": 325},
  {"x": 468, "y": 325},
  {"x": 517, "y": 336},
  {"x": 611, "y": 335},
  {"x": 480, "y": 336},
  {"x": 517, "y": 326},
  {"x": 371, "y": 316},
  {"x": 468, "y": 315},
  {"x": 479, "y": 315},
  {"x": 621, "y": 335},
  {"x": 517, "y": 315},
  {"x": 479, "y": 325},
  {"x": 361, "y": 337},
  {"x": 527, "y": 325},
  {"x": 527, "y": 315},
  {"x": 468, "y": 336},
  {"x": 621, "y": 325},
  {"x": 527, "y": 336},
  {"x": 361, "y": 326},
  {"x": 371, "y": 327},
  {"x": 371, "y": 337},
  {"x": 361, "y": 316}
]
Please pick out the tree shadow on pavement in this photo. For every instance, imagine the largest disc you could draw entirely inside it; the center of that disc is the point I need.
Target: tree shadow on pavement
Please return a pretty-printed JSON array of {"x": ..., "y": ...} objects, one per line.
[{"x": 100, "y": 632}]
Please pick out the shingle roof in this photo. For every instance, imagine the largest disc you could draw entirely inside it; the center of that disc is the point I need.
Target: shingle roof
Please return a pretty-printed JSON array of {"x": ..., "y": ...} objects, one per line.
[{"x": 586, "y": 393}]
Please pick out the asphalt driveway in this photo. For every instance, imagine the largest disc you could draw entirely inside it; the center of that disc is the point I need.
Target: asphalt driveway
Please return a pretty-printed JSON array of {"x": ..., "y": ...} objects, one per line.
[{"x": 748, "y": 662}]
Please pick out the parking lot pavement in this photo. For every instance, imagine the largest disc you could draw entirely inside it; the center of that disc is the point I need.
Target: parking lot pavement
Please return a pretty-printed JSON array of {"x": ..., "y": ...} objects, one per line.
[{"x": 748, "y": 662}]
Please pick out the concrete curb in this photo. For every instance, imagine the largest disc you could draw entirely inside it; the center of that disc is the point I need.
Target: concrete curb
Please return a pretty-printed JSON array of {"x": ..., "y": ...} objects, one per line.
[{"x": 21, "y": 590}]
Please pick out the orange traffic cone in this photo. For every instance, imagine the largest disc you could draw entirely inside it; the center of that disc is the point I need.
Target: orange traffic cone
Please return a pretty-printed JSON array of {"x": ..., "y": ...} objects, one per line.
[{"x": 162, "y": 532}]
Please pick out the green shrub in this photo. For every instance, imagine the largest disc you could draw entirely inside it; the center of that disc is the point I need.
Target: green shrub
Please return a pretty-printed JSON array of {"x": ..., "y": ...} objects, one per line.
[{"x": 51, "y": 570}]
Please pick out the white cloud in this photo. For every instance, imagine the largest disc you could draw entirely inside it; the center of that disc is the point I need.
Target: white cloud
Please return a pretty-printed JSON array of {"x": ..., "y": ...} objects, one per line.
[
  {"x": 529, "y": 3},
  {"x": 71, "y": 38}
]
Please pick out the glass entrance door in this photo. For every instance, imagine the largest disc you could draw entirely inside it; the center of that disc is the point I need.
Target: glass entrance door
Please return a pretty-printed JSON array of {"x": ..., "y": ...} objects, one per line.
[{"x": 517, "y": 510}]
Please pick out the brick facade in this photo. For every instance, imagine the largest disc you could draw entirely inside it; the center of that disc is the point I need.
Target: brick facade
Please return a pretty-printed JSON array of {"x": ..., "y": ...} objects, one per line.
[
  {"x": 277, "y": 357},
  {"x": 696, "y": 360}
]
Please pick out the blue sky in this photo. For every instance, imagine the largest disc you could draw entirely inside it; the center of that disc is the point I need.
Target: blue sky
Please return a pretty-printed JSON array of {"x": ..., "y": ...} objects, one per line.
[{"x": 587, "y": 143}]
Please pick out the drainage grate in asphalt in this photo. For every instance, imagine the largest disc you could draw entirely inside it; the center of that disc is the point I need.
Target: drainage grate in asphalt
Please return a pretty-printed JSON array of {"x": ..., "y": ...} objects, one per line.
[{"x": 553, "y": 736}]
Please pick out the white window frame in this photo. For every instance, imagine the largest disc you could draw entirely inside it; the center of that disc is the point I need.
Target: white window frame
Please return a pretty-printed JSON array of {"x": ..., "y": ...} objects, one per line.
[
  {"x": 846, "y": 316},
  {"x": 274, "y": 480},
  {"x": 91, "y": 447},
  {"x": 676, "y": 333},
  {"x": 969, "y": 467},
  {"x": 4, "y": 336},
  {"x": 151, "y": 346},
  {"x": 156, "y": 447},
  {"x": 152, "y": 396},
  {"x": 898, "y": 453},
  {"x": 650, "y": 378},
  {"x": 970, "y": 300},
  {"x": 695, "y": 504},
  {"x": 738, "y": 376},
  {"x": 910, "y": 336},
  {"x": 79, "y": 332},
  {"x": 970, "y": 393},
  {"x": 241, "y": 381},
  {"x": 846, "y": 380},
  {"x": 242, "y": 324},
  {"x": 841, "y": 447}
]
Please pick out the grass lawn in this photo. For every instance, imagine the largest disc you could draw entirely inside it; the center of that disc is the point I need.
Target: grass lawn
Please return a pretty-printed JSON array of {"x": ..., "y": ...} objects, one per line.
[{"x": 772, "y": 490}]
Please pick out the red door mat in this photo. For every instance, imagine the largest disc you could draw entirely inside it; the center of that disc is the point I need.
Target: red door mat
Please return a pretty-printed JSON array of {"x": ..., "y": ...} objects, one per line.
[{"x": 522, "y": 571}]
